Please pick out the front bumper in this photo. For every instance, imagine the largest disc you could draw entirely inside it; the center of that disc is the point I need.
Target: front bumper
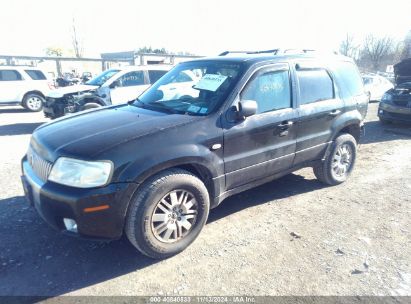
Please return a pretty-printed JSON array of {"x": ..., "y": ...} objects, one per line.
[
  {"x": 394, "y": 113},
  {"x": 55, "y": 202}
]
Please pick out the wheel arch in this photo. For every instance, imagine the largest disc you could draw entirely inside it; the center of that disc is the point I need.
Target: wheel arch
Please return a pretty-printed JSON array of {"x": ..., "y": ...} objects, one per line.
[{"x": 32, "y": 92}]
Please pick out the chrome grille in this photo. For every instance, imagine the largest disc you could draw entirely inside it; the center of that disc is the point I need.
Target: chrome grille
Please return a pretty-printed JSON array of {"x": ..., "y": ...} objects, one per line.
[{"x": 41, "y": 167}]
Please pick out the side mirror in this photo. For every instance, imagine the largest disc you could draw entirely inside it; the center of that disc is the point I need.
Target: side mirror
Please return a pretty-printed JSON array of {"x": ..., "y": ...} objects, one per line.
[{"x": 247, "y": 108}]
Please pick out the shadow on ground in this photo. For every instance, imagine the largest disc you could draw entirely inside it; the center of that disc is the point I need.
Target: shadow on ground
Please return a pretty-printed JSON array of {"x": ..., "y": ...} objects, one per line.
[
  {"x": 376, "y": 132},
  {"x": 15, "y": 110},
  {"x": 37, "y": 261},
  {"x": 19, "y": 128}
]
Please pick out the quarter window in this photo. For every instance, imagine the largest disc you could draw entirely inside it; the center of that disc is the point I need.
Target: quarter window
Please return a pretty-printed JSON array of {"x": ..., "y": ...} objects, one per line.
[
  {"x": 270, "y": 90},
  {"x": 36, "y": 74},
  {"x": 10, "y": 75},
  {"x": 315, "y": 85}
]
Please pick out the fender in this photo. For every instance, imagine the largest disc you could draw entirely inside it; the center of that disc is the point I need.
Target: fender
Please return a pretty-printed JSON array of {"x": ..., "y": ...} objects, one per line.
[
  {"x": 90, "y": 97},
  {"x": 198, "y": 159}
]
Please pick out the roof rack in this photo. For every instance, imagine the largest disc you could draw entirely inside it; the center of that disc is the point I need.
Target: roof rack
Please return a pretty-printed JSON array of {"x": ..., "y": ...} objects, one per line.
[{"x": 273, "y": 52}]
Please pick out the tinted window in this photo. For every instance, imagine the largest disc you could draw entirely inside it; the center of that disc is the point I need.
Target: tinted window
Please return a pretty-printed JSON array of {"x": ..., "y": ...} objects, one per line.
[
  {"x": 348, "y": 79},
  {"x": 315, "y": 85},
  {"x": 132, "y": 79},
  {"x": 9, "y": 75},
  {"x": 270, "y": 90},
  {"x": 155, "y": 75},
  {"x": 36, "y": 74}
]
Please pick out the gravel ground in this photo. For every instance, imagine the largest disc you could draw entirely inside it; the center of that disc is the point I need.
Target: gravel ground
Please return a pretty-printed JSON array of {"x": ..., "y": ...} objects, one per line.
[{"x": 293, "y": 236}]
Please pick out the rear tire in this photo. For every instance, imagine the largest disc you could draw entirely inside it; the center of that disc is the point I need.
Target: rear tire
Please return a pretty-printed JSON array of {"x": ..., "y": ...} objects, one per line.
[
  {"x": 339, "y": 163},
  {"x": 33, "y": 102},
  {"x": 167, "y": 213}
]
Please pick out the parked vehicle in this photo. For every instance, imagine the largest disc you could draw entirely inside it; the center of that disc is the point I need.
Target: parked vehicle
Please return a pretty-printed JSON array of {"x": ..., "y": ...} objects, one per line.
[
  {"x": 113, "y": 86},
  {"x": 395, "y": 105},
  {"x": 376, "y": 86},
  {"x": 25, "y": 86},
  {"x": 152, "y": 168}
]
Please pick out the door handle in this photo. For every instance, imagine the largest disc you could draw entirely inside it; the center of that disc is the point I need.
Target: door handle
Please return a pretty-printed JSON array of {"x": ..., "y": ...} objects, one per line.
[
  {"x": 334, "y": 113},
  {"x": 285, "y": 125}
]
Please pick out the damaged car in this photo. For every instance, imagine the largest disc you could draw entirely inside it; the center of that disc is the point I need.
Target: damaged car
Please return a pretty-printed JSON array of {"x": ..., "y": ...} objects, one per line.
[
  {"x": 395, "y": 104},
  {"x": 113, "y": 86}
]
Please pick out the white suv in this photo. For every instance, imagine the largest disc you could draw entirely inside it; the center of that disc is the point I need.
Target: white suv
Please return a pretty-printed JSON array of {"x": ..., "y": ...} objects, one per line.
[{"x": 25, "y": 86}]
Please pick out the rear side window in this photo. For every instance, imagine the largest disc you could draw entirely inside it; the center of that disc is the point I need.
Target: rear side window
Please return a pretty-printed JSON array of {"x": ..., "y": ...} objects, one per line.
[
  {"x": 155, "y": 75},
  {"x": 270, "y": 90},
  {"x": 36, "y": 74},
  {"x": 315, "y": 85},
  {"x": 348, "y": 79},
  {"x": 10, "y": 75}
]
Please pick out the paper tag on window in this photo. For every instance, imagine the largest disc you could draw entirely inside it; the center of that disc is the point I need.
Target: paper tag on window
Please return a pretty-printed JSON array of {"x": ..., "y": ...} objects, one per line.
[
  {"x": 193, "y": 109},
  {"x": 210, "y": 82}
]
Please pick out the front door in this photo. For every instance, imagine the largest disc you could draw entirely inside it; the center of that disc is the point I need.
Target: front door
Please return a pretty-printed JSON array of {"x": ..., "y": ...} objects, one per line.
[
  {"x": 129, "y": 87},
  {"x": 262, "y": 144}
]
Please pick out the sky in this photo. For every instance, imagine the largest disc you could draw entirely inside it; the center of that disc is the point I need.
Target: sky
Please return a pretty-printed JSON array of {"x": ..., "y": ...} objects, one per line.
[{"x": 202, "y": 27}]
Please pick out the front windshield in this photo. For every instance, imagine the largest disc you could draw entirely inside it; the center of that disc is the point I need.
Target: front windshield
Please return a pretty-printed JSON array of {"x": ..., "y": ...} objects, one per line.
[
  {"x": 195, "y": 88},
  {"x": 100, "y": 79}
]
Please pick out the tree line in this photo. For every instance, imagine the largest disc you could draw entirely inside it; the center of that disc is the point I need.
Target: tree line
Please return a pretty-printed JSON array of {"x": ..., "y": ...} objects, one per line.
[{"x": 374, "y": 53}]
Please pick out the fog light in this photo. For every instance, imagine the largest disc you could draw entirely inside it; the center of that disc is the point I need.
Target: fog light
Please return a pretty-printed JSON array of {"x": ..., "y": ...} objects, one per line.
[
  {"x": 70, "y": 224},
  {"x": 381, "y": 112}
]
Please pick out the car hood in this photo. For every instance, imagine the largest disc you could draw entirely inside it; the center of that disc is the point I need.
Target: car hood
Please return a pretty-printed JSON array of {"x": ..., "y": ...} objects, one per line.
[
  {"x": 58, "y": 93},
  {"x": 90, "y": 133}
]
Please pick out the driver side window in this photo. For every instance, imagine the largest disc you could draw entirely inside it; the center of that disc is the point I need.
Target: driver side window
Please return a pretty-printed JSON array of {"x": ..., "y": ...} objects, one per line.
[
  {"x": 132, "y": 79},
  {"x": 271, "y": 91}
]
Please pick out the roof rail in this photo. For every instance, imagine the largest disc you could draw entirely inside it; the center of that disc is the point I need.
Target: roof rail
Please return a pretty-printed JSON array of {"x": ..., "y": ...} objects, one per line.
[{"x": 273, "y": 52}]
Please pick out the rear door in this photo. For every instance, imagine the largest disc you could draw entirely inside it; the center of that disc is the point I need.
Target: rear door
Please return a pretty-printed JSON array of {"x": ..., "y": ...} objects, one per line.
[
  {"x": 12, "y": 85},
  {"x": 262, "y": 144},
  {"x": 319, "y": 107}
]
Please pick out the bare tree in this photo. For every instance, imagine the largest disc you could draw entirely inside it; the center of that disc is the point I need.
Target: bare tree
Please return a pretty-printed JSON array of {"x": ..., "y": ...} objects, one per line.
[
  {"x": 77, "y": 44},
  {"x": 348, "y": 47},
  {"x": 376, "y": 49},
  {"x": 406, "y": 51}
]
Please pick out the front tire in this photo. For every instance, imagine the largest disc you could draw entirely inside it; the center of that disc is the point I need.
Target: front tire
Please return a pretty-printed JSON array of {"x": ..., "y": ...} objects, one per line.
[
  {"x": 167, "y": 213},
  {"x": 33, "y": 102},
  {"x": 339, "y": 163}
]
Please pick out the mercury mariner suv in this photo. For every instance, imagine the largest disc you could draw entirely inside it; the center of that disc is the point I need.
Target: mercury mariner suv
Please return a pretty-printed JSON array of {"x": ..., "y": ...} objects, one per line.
[{"x": 153, "y": 168}]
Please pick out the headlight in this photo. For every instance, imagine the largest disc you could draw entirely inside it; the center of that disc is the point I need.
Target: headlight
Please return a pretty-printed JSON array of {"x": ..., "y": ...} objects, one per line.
[
  {"x": 80, "y": 173},
  {"x": 386, "y": 97}
]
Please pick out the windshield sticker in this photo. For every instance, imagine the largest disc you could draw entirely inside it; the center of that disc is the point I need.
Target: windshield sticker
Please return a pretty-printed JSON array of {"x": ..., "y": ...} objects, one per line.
[
  {"x": 193, "y": 109},
  {"x": 210, "y": 82}
]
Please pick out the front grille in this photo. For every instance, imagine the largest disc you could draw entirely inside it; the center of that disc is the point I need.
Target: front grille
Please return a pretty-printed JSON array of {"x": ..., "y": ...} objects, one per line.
[{"x": 41, "y": 167}]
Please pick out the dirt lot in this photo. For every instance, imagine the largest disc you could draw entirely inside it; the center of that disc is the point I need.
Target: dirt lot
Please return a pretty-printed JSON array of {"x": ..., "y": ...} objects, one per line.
[{"x": 353, "y": 239}]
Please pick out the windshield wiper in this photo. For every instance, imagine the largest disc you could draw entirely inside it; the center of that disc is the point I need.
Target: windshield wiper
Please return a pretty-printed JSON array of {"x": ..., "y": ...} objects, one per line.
[{"x": 158, "y": 107}]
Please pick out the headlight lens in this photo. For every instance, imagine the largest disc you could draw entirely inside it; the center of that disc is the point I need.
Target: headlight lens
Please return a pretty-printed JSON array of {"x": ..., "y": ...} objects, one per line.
[
  {"x": 386, "y": 97},
  {"x": 80, "y": 173}
]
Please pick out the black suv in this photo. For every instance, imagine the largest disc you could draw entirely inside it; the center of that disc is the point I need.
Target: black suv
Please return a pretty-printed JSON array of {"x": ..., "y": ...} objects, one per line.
[{"x": 155, "y": 166}]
